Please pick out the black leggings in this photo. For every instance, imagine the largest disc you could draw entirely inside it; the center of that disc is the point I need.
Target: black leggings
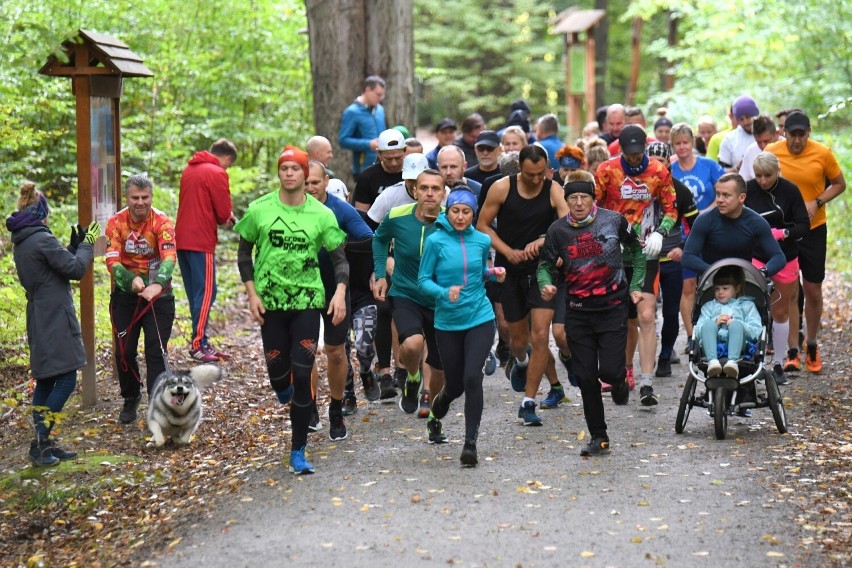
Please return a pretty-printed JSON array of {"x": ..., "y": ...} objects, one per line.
[
  {"x": 671, "y": 287},
  {"x": 597, "y": 341},
  {"x": 384, "y": 337},
  {"x": 290, "y": 346},
  {"x": 463, "y": 356}
]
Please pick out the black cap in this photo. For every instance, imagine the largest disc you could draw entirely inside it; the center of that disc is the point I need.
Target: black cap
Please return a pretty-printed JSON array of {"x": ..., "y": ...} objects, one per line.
[
  {"x": 797, "y": 120},
  {"x": 520, "y": 104},
  {"x": 487, "y": 138},
  {"x": 446, "y": 123},
  {"x": 632, "y": 139},
  {"x": 519, "y": 118}
]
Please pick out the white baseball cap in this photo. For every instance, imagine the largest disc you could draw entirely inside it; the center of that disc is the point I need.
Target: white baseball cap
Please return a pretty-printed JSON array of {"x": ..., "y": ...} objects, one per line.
[
  {"x": 391, "y": 139},
  {"x": 413, "y": 165}
]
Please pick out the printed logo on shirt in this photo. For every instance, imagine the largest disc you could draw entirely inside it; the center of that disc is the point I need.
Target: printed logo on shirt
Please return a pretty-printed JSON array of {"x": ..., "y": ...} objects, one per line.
[
  {"x": 638, "y": 191},
  {"x": 586, "y": 246},
  {"x": 138, "y": 244},
  {"x": 283, "y": 236}
]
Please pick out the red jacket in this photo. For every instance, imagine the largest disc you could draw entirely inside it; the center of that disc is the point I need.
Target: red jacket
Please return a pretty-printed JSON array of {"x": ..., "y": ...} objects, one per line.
[{"x": 205, "y": 203}]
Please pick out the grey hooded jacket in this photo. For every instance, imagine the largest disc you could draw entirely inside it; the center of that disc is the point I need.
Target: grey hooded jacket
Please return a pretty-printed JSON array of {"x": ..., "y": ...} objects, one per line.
[{"x": 45, "y": 269}]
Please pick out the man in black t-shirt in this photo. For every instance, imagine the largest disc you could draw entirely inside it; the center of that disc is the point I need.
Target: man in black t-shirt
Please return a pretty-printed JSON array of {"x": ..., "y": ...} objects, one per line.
[
  {"x": 488, "y": 152},
  {"x": 384, "y": 173},
  {"x": 525, "y": 206}
]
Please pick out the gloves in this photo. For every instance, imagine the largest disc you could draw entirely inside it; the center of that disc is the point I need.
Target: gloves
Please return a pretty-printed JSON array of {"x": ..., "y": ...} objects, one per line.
[
  {"x": 76, "y": 238},
  {"x": 653, "y": 244},
  {"x": 92, "y": 233}
]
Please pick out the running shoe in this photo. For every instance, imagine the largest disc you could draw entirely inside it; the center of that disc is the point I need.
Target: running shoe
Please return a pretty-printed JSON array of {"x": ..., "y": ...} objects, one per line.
[
  {"x": 315, "y": 424},
  {"x": 423, "y": 409},
  {"x": 386, "y": 387},
  {"x": 518, "y": 377},
  {"x": 218, "y": 353},
  {"x": 503, "y": 352},
  {"x": 286, "y": 395},
  {"x": 647, "y": 396},
  {"x": 813, "y": 360},
  {"x": 440, "y": 405},
  {"x": 597, "y": 446},
  {"x": 408, "y": 402},
  {"x": 336, "y": 427},
  {"x": 203, "y": 355},
  {"x": 526, "y": 412},
  {"x": 780, "y": 377},
  {"x": 371, "y": 390},
  {"x": 793, "y": 362},
  {"x": 620, "y": 393},
  {"x": 664, "y": 368},
  {"x": 399, "y": 376},
  {"x": 490, "y": 364},
  {"x": 350, "y": 404},
  {"x": 605, "y": 387},
  {"x": 298, "y": 463},
  {"x": 631, "y": 381},
  {"x": 468, "y": 456},
  {"x": 554, "y": 397},
  {"x": 436, "y": 431}
]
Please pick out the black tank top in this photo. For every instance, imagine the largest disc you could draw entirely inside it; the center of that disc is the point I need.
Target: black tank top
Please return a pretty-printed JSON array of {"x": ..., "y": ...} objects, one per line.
[{"x": 520, "y": 221}]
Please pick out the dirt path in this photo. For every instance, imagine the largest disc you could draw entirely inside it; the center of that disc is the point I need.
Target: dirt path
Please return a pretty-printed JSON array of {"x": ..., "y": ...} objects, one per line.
[{"x": 386, "y": 497}]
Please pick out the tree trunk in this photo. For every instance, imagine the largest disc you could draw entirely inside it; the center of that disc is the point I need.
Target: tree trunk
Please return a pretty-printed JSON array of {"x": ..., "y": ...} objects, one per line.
[
  {"x": 669, "y": 78},
  {"x": 636, "y": 43},
  {"x": 601, "y": 43},
  {"x": 349, "y": 40}
]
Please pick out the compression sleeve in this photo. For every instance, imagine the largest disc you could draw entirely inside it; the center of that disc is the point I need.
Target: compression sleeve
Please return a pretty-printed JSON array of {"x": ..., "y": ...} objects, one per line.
[
  {"x": 341, "y": 266},
  {"x": 245, "y": 264}
]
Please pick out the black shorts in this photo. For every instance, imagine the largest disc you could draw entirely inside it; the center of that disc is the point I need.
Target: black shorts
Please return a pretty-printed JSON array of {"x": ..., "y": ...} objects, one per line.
[
  {"x": 519, "y": 294},
  {"x": 650, "y": 286},
  {"x": 492, "y": 291},
  {"x": 812, "y": 252},
  {"x": 335, "y": 334},
  {"x": 413, "y": 319}
]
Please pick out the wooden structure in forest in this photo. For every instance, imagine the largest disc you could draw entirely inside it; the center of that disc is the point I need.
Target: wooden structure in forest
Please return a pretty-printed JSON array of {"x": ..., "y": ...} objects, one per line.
[
  {"x": 578, "y": 27},
  {"x": 97, "y": 64}
]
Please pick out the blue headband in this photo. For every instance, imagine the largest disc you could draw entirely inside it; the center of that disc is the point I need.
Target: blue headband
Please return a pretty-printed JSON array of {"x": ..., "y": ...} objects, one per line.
[
  {"x": 569, "y": 162},
  {"x": 462, "y": 196}
]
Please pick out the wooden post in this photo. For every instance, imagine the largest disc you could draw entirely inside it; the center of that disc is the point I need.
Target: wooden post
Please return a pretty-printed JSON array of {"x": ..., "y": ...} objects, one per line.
[
  {"x": 591, "y": 88},
  {"x": 84, "y": 215}
]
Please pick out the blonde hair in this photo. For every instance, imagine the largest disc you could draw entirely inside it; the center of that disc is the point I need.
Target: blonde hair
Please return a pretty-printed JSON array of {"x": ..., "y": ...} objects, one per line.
[
  {"x": 517, "y": 130},
  {"x": 596, "y": 151},
  {"x": 29, "y": 195},
  {"x": 766, "y": 163},
  {"x": 580, "y": 175}
]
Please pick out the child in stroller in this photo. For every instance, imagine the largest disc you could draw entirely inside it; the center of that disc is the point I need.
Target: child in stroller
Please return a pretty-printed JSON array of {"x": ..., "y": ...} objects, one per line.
[{"x": 728, "y": 319}]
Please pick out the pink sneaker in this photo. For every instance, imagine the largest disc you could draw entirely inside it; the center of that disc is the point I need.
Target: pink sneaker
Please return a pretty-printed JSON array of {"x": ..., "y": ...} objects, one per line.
[
  {"x": 605, "y": 387},
  {"x": 217, "y": 353},
  {"x": 204, "y": 355},
  {"x": 631, "y": 382}
]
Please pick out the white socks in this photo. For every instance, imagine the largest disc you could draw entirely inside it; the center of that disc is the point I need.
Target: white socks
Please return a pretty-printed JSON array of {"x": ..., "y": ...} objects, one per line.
[{"x": 780, "y": 331}]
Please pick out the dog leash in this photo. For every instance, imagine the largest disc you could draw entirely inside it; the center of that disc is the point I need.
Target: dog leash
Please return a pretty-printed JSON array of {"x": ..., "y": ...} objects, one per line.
[{"x": 134, "y": 320}]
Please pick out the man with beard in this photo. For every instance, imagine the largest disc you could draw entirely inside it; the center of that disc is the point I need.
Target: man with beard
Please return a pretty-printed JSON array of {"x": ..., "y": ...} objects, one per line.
[{"x": 524, "y": 207}]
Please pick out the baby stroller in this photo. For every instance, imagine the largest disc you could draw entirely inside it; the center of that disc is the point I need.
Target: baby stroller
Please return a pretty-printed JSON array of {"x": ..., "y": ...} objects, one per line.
[{"x": 755, "y": 386}]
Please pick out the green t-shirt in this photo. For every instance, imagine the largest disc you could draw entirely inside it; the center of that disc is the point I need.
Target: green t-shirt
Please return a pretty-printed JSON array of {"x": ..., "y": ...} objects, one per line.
[{"x": 287, "y": 240}]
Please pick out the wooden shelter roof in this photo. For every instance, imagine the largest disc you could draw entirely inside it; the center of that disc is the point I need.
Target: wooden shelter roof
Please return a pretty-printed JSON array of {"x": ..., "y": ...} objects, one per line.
[
  {"x": 113, "y": 55},
  {"x": 573, "y": 21}
]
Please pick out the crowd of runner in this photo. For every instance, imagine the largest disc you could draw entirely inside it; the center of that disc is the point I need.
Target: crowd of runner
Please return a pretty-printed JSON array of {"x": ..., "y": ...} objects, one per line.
[{"x": 440, "y": 267}]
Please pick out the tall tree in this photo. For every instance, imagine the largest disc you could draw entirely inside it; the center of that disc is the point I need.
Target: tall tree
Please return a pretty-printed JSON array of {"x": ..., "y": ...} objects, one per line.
[{"x": 349, "y": 40}]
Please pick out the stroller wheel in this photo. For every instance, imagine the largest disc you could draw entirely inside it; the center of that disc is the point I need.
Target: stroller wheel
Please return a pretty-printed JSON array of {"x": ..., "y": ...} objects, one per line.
[
  {"x": 720, "y": 412},
  {"x": 685, "y": 404},
  {"x": 776, "y": 403}
]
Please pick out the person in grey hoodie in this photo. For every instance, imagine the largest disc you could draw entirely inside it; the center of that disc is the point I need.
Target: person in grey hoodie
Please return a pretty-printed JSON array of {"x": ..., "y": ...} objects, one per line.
[
  {"x": 44, "y": 269},
  {"x": 452, "y": 272}
]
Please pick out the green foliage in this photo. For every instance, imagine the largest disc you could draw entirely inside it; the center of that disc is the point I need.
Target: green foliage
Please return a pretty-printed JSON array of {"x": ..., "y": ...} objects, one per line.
[
  {"x": 237, "y": 70},
  {"x": 479, "y": 56}
]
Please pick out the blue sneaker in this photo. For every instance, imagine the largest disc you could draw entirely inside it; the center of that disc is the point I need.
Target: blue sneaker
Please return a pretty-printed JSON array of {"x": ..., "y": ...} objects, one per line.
[
  {"x": 554, "y": 397},
  {"x": 518, "y": 376},
  {"x": 286, "y": 395},
  {"x": 526, "y": 412},
  {"x": 490, "y": 364},
  {"x": 298, "y": 463}
]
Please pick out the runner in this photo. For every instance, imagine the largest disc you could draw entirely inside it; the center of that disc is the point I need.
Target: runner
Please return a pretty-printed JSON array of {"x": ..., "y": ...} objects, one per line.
[
  {"x": 287, "y": 229},
  {"x": 452, "y": 272}
]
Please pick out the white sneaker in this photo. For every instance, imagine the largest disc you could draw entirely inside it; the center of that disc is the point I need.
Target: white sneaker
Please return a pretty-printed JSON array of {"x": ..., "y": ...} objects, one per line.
[
  {"x": 714, "y": 368},
  {"x": 732, "y": 370}
]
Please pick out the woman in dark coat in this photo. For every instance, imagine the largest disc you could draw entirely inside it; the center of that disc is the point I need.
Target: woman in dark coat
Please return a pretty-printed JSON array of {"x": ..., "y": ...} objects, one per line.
[{"x": 44, "y": 269}]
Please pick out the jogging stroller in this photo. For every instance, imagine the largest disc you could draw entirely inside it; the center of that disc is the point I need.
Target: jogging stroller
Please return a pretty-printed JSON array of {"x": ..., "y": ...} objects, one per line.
[{"x": 755, "y": 386}]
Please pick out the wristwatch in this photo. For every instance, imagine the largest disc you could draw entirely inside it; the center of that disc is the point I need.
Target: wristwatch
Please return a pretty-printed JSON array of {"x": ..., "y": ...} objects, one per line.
[
  {"x": 786, "y": 233},
  {"x": 819, "y": 203}
]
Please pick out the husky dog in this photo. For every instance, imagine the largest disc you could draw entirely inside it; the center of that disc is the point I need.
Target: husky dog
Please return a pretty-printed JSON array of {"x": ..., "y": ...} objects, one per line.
[{"x": 174, "y": 407}]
